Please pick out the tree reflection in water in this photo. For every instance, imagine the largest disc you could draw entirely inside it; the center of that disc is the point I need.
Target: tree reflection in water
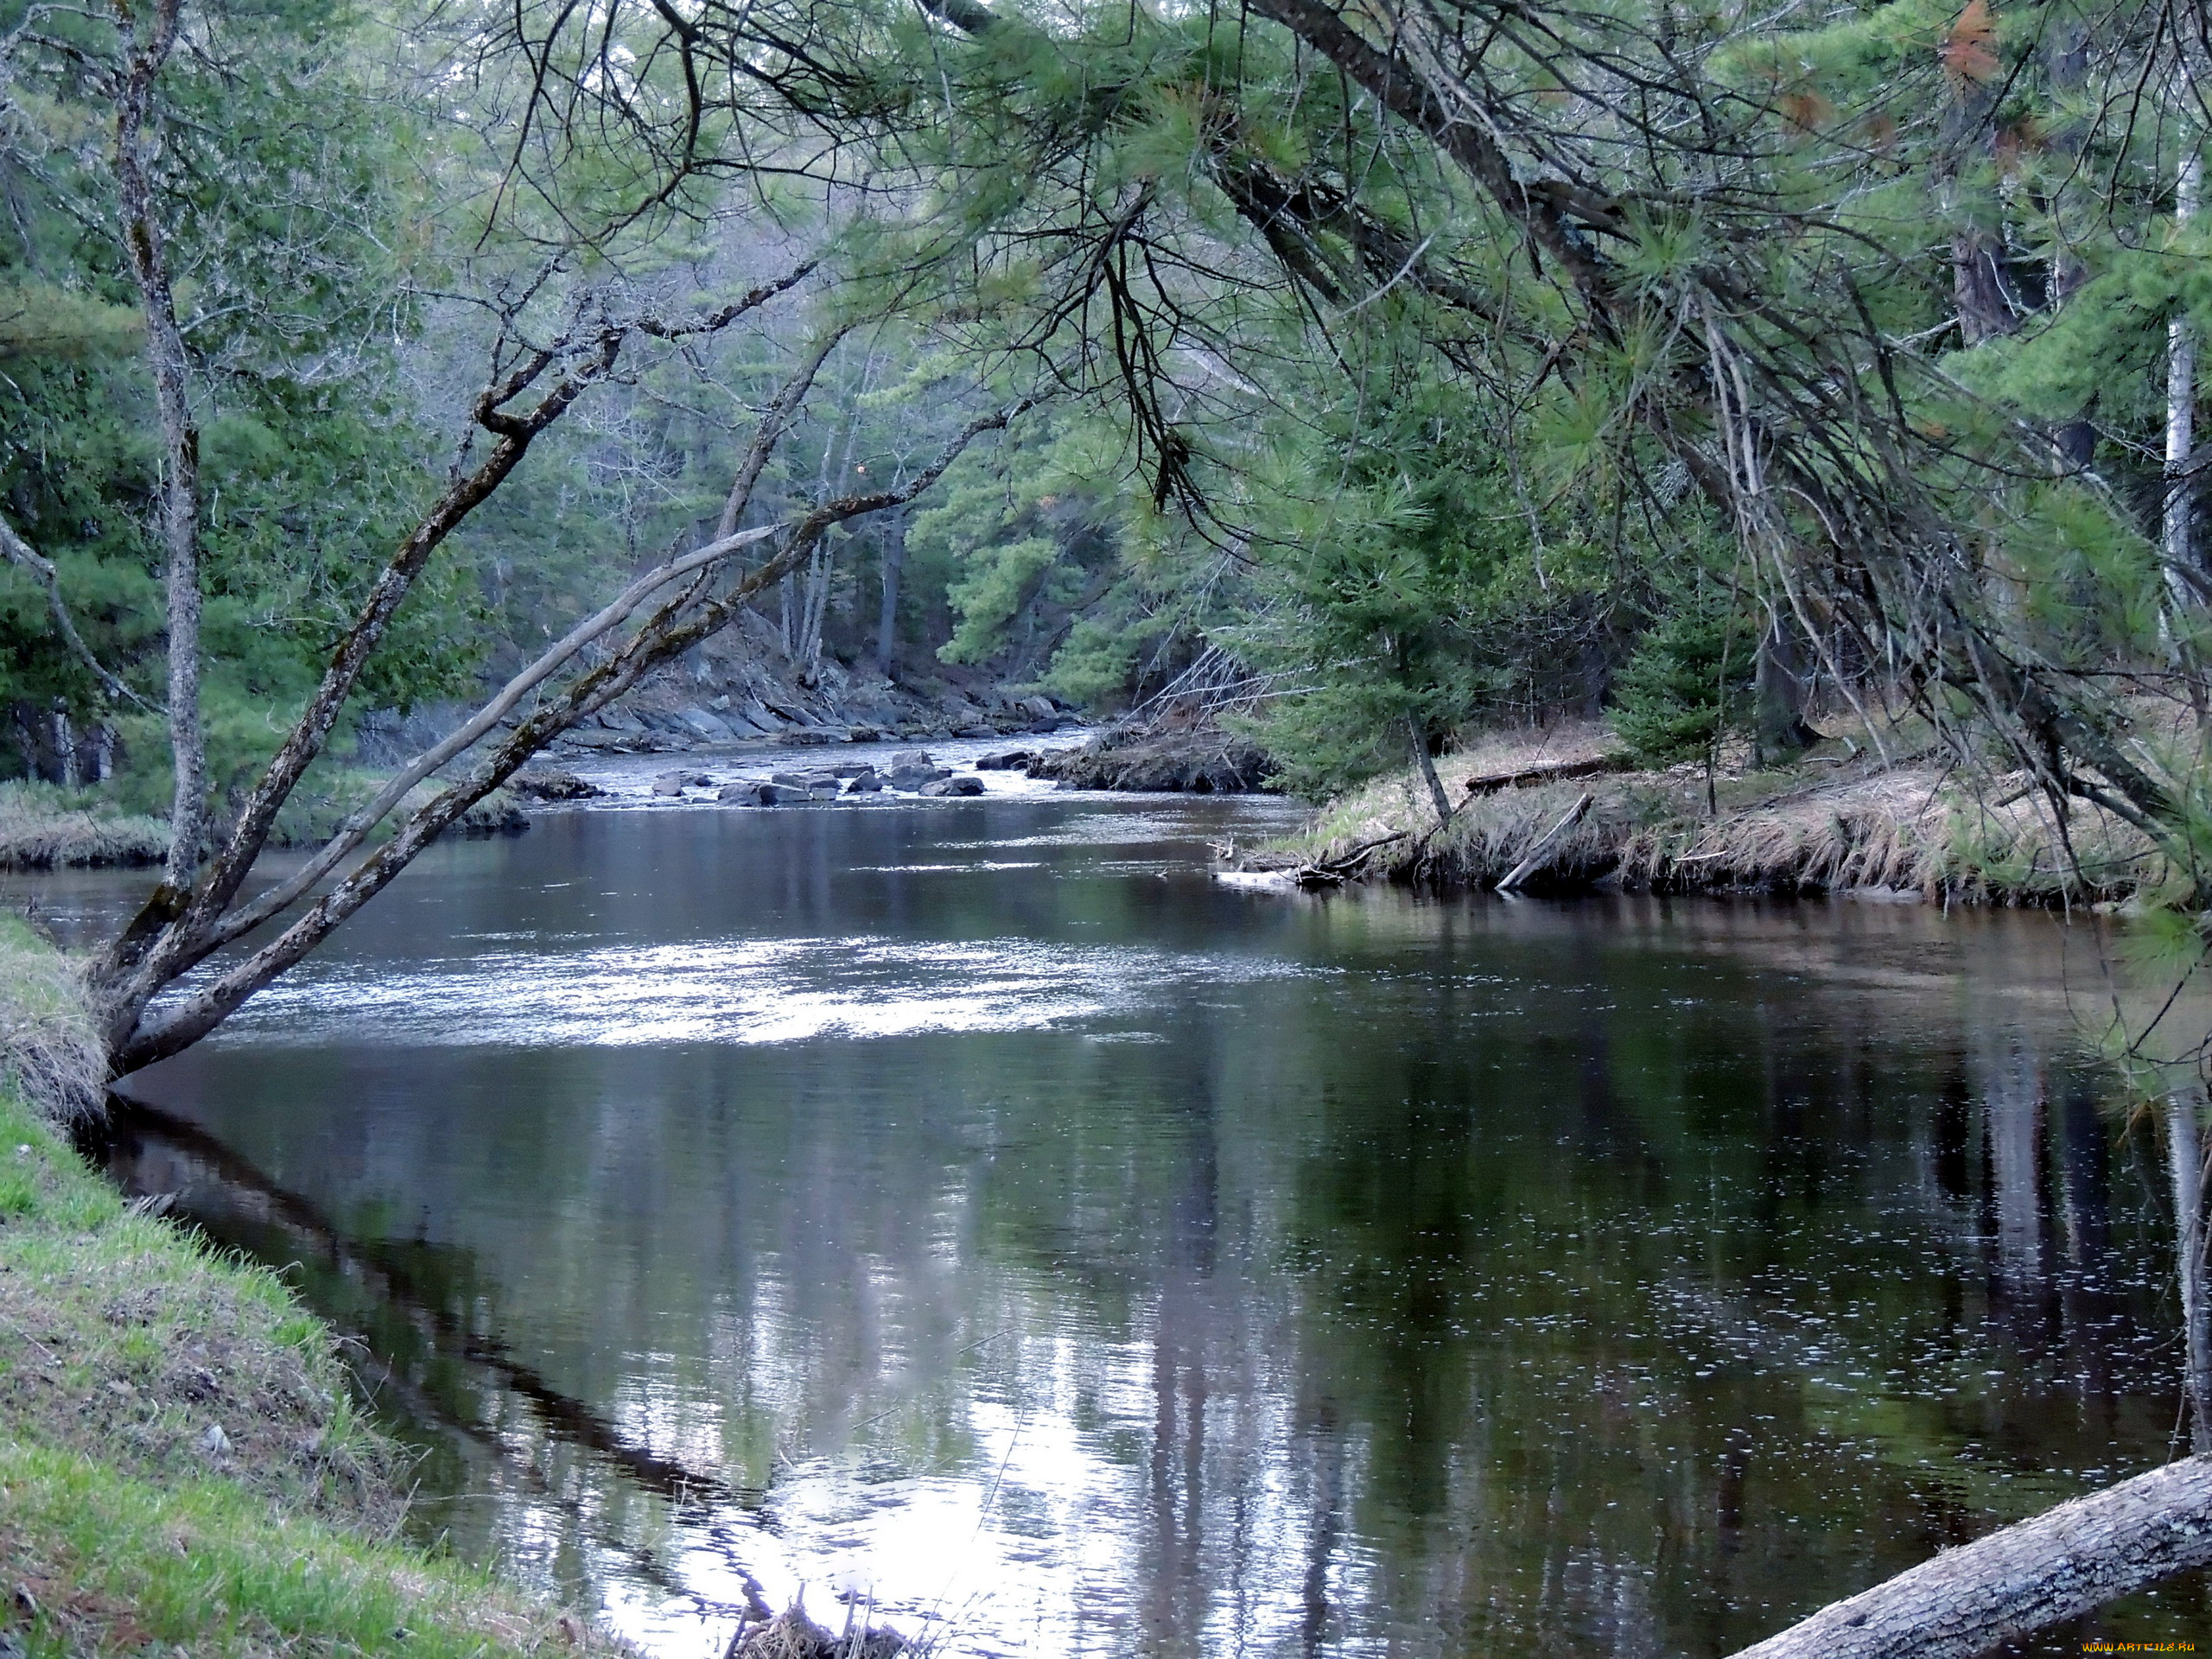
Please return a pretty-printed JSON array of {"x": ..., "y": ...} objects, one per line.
[{"x": 1265, "y": 1275}]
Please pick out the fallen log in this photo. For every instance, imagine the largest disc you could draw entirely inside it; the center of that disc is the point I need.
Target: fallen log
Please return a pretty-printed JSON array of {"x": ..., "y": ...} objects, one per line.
[
  {"x": 2027, "y": 1578},
  {"x": 1541, "y": 853},
  {"x": 1333, "y": 872},
  {"x": 1556, "y": 772}
]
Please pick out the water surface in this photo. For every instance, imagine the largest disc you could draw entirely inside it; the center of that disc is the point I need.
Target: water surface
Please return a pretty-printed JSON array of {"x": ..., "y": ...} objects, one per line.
[{"x": 973, "y": 1212}]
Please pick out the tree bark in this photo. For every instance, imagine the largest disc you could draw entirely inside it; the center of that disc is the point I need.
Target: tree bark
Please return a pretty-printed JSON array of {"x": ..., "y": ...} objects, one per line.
[
  {"x": 2027, "y": 1578},
  {"x": 2178, "y": 528},
  {"x": 1426, "y": 764},
  {"x": 1978, "y": 285},
  {"x": 886, "y": 622},
  {"x": 1778, "y": 728},
  {"x": 2185, "y": 1156},
  {"x": 148, "y": 41}
]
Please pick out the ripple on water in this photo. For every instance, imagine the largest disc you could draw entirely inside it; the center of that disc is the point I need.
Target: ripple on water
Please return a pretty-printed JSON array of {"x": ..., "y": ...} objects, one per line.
[{"x": 750, "y": 992}]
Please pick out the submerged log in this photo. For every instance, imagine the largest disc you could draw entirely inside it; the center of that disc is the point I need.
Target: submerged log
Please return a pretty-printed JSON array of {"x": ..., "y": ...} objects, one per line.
[{"x": 2027, "y": 1578}]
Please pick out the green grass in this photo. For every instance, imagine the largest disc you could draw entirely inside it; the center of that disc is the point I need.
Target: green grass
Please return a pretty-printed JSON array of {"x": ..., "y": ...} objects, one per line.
[
  {"x": 113, "y": 1564},
  {"x": 180, "y": 1466}
]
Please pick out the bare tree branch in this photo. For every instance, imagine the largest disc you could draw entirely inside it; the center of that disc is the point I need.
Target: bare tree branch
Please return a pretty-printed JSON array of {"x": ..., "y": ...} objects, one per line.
[
  {"x": 174, "y": 920},
  {"x": 22, "y": 555},
  {"x": 168, "y": 1029}
]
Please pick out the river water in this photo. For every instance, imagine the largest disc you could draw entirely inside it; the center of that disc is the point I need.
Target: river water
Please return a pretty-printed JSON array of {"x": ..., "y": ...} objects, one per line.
[{"x": 974, "y": 1213}]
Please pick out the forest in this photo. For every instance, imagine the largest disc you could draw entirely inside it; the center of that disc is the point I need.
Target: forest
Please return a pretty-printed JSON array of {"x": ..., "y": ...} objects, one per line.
[
  {"x": 1739, "y": 378},
  {"x": 1707, "y": 372}
]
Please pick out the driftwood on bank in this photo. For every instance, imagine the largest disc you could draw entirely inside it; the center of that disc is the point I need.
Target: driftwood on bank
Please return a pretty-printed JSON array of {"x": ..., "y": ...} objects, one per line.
[
  {"x": 1540, "y": 853},
  {"x": 1557, "y": 772},
  {"x": 2027, "y": 1578},
  {"x": 1334, "y": 872}
]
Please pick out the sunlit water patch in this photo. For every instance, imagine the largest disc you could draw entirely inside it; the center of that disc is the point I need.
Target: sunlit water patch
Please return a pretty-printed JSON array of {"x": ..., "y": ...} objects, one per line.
[{"x": 747, "y": 992}]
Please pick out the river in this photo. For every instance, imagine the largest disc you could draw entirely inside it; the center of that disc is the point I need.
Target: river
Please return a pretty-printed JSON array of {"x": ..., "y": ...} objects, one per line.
[{"x": 972, "y": 1212}]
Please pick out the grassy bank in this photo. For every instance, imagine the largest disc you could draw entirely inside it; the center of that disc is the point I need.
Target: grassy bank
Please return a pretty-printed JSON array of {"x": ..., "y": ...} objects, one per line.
[
  {"x": 1839, "y": 818},
  {"x": 179, "y": 1466},
  {"x": 44, "y": 827}
]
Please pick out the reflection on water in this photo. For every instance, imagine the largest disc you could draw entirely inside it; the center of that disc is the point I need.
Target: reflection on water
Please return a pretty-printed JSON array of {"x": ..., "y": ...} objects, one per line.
[{"x": 1070, "y": 1255}]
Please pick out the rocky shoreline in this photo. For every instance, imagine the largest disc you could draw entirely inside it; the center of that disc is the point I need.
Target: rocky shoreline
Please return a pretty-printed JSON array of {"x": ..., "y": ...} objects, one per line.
[{"x": 727, "y": 694}]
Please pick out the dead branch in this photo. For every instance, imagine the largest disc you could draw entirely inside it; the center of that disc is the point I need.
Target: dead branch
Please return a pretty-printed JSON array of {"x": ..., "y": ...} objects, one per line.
[{"x": 1542, "y": 852}]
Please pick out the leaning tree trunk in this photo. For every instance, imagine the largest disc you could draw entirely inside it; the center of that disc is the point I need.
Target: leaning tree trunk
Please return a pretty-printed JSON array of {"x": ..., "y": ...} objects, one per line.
[
  {"x": 2057, "y": 1566},
  {"x": 1425, "y": 763}
]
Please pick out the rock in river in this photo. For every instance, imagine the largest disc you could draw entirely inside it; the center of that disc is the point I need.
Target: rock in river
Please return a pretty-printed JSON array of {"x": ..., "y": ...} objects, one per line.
[
  {"x": 967, "y": 783},
  {"x": 549, "y": 785}
]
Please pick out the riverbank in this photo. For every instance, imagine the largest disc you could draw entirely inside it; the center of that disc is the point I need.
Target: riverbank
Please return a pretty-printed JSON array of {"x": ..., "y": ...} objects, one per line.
[
  {"x": 180, "y": 1467},
  {"x": 1839, "y": 819},
  {"x": 47, "y": 827}
]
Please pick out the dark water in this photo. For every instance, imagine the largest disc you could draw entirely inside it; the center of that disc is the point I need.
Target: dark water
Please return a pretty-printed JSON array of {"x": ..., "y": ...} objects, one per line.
[{"x": 978, "y": 1210}]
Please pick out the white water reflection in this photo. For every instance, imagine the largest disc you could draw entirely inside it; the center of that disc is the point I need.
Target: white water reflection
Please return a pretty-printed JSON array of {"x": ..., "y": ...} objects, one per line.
[
  {"x": 744, "y": 992},
  {"x": 1032, "y": 1545},
  {"x": 1581, "y": 1280}
]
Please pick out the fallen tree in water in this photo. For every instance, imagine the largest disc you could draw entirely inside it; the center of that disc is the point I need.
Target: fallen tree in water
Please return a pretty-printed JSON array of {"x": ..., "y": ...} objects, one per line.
[{"x": 2063, "y": 1563}]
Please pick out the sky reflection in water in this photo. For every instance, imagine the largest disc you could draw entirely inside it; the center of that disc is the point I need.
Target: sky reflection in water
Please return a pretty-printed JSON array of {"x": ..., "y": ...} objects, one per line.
[{"x": 736, "y": 1201}]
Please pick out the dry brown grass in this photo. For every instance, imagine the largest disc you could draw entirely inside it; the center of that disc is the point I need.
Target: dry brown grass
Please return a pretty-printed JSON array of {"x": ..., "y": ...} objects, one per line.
[
  {"x": 1525, "y": 748},
  {"x": 49, "y": 1051},
  {"x": 792, "y": 1634},
  {"x": 42, "y": 828},
  {"x": 1825, "y": 825},
  {"x": 1883, "y": 830}
]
